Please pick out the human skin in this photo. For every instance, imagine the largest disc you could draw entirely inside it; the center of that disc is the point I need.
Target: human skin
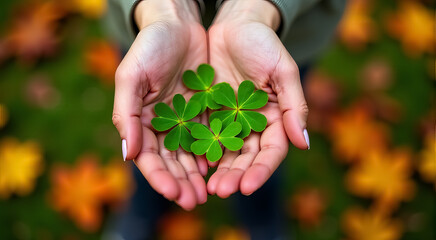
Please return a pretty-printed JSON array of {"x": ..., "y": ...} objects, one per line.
[
  {"x": 171, "y": 40},
  {"x": 243, "y": 45}
]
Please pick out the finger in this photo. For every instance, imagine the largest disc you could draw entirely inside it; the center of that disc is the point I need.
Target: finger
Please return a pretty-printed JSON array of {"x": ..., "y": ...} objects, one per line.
[
  {"x": 127, "y": 108},
  {"x": 202, "y": 165},
  {"x": 189, "y": 164},
  {"x": 291, "y": 100},
  {"x": 187, "y": 198},
  {"x": 273, "y": 149},
  {"x": 224, "y": 166},
  {"x": 230, "y": 181},
  {"x": 154, "y": 169}
]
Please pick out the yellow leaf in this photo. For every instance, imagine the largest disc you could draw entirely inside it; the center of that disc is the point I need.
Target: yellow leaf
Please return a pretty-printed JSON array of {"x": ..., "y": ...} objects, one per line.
[
  {"x": 414, "y": 26},
  {"x": 359, "y": 224},
  {"x": 356, "y": 27},
  {"x": 89, "y": 8},
  {"x": 230, "y": 233},
  {"x": 20, "y": 165},
  {"x": 384, "y": 176}
]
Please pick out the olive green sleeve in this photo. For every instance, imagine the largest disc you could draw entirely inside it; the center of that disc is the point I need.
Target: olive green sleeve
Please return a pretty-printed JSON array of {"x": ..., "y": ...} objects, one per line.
[{"x": 289, "y": 11}]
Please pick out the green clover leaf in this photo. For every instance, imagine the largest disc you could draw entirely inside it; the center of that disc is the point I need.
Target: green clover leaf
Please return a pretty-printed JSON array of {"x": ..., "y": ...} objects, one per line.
[
  {"x": 202, "y": 81},
  {"x": 209, "y": 141},
  {"x": 177, "y": 121},
  {"x": 248, "y": 99}
]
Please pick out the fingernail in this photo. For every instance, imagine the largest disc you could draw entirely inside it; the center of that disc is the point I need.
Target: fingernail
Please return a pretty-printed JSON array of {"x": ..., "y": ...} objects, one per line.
[
  {"x": 124, "y": 148},
  {"x": 306, "y": 137}
]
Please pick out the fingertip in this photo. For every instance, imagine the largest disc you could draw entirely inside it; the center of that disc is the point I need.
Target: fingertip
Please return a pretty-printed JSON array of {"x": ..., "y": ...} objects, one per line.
[
  {"x": 187, "y": 198},
  {"x": 202, "y": 165},
  {"x": 253, "y": 179},
  {"x": 200, "y": 187},
  {"x": 211, "y": 184},
  {"x": 296, "y": 134},
  {"x": 229, "y": 183},
  {"x": 165, "y": 184}
]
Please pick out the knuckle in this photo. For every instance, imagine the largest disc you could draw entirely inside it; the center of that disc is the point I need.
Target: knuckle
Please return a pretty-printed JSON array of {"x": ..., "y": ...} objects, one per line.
[
  {"x": 304, "y": 108},
  {"x": 116, "y": 120}
]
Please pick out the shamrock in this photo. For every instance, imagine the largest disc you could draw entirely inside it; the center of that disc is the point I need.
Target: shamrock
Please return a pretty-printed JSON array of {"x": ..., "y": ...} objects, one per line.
[
  {"x": 209, "y": 142},
  {"x": 178, "y": 121},
  {"x": 248, "y": 98},
  {"x": 202, "y": 81}
]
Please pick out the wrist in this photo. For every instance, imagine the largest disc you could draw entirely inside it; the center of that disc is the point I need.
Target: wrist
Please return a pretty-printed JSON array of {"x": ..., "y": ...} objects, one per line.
[
  {"x": 250, "y": 10},
  {"x": 149, "y": 11}
]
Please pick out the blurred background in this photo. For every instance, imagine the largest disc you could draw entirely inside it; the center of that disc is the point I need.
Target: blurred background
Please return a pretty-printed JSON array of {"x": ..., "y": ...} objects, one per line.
[{"x": 370, "y": 173}]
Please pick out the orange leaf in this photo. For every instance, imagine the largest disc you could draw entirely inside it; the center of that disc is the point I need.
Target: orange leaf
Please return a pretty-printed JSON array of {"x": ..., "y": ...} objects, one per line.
[
  {"x": 181, "y": 226},
  {"x": 354, "y": 133},
  {"x": 33, "y": 31},
  {"x": 307, "y": 206},
  {"x": 79, "y": 192},
  {"x": 102, "y": 59}
]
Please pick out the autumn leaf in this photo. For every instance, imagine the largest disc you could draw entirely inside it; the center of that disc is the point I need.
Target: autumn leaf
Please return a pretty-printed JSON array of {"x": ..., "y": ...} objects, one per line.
[
  {"x": 20, "y": 165},
  {"x": 120, "y": 182},
  {"x": 359, "y": 224},
  {"x": 89, "y": 8},
  {"x": 354, "y": 132},
  {"x": 230, "y": 233},
  {"x": 102, "y": 59},
  {"x": 307, "y": 205},
  {"x": 33, "y": 31},
  {"x": 181, "y": 226},
  {"x": 383, "y": 176},
  {"x": 4, "y": 115},
  {"x": 356, "y": 27},
  {"x": 427, "y": 160},
  {"x": 414, "y": 26},
  {"x": 79, "y": 192}
]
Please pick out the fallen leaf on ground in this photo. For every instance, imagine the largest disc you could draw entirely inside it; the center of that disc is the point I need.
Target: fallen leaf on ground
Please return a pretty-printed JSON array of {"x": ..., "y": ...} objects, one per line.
[{"x": 20, "y": 166}]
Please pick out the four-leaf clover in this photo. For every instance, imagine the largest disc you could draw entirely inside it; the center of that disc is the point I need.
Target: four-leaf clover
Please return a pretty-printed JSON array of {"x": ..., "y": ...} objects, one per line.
[
  {"x": 209, "y": 141},
  {"x": 248, "y": 98},
  {"x": 202, "y": 81},
  {"x": 167, "y": 119}
]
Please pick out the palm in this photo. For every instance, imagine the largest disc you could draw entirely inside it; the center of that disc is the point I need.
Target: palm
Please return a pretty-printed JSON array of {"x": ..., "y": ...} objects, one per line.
[
  {"x": 240, "y": 52},
  {"x": 155, "y": 63}
]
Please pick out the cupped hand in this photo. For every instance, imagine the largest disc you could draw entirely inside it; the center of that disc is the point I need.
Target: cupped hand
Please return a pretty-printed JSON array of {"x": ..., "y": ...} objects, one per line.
[
  {"x": 243, "y": 45},
  {"x": 171, "y": 40}
]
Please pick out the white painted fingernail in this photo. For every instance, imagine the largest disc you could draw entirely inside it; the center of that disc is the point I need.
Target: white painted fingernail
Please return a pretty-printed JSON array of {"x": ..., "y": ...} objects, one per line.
[
  {"x": 124, "y": 148},
  {"x": 306, "y": 137}
]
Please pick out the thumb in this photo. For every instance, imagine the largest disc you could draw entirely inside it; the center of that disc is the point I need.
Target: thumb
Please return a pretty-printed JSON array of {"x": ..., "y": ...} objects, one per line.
[
  {"x": 127, "y": 110},
  {"x": 292, "y": 103}
]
